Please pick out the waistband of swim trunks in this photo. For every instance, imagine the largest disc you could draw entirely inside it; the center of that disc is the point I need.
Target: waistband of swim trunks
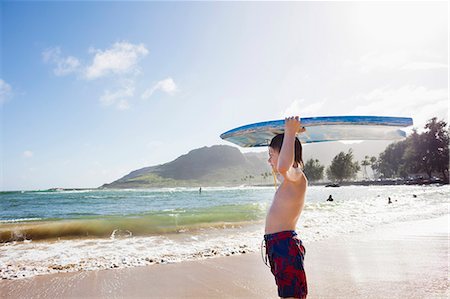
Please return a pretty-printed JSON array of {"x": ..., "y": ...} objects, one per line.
[{"x": 280, "y": 235}]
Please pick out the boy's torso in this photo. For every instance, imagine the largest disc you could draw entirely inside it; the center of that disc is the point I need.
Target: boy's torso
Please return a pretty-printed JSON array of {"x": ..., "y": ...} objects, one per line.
[{"x": 286, "y": 207}]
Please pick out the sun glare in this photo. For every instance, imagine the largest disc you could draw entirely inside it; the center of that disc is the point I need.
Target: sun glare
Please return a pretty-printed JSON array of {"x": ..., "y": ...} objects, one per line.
[{"x": 399, "y": 23}]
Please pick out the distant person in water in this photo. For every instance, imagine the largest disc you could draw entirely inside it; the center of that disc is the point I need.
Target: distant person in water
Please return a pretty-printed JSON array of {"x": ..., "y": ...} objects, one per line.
[
  {"x": 200, "y": 190},
  {"x": 389, "y": 200},
  {"x": 284, "y": 249},
  {"x": 330, "y": 198}
]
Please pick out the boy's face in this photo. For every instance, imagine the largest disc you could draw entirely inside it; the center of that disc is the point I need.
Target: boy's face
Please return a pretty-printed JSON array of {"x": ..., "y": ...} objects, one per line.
[{"x": 273, "y": 158}]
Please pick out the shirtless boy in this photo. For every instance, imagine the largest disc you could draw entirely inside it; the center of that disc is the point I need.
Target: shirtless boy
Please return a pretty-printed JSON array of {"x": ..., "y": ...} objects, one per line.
[{"x": 283, "y": 247}]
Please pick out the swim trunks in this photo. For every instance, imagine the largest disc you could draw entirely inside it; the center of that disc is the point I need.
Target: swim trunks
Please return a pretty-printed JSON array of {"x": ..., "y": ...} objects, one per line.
[{"x": 286, "y": 254}]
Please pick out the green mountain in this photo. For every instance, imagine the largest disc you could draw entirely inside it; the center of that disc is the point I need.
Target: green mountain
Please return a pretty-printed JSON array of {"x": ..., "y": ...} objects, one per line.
[{"x": 218, "y": 165}]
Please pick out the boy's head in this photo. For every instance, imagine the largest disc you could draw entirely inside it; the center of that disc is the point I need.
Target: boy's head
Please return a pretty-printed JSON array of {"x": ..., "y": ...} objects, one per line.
[{"x": 275, "y": 148}]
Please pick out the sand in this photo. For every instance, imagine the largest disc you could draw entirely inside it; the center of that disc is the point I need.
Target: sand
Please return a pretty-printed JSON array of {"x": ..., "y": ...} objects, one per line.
[{"x": 405, "y": 260}]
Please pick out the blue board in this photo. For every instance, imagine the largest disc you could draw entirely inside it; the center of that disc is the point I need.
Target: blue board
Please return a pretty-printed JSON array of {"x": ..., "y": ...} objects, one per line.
[{"x": 320, "y": 129}]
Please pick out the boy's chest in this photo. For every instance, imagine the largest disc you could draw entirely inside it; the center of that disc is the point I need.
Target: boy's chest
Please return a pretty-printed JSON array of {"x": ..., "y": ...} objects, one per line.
[{"x": 287, "y": 192}]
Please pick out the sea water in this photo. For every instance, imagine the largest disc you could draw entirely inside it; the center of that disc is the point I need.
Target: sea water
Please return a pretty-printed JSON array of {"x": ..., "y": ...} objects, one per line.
[{"x": 46, "y": 232}]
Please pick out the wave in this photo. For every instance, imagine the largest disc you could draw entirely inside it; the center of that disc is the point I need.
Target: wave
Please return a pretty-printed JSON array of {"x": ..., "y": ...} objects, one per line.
[
  {"x": 161, "y": 222},
  {"x": 19, "y": 220}
]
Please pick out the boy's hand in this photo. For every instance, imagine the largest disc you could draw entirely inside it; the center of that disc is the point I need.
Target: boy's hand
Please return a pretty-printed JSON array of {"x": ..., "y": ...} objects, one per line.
[{"x": 293, "y": 126}]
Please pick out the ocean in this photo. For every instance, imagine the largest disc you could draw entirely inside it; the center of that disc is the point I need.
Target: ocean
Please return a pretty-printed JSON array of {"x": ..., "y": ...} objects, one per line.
[{"x": 45, "y": 232}]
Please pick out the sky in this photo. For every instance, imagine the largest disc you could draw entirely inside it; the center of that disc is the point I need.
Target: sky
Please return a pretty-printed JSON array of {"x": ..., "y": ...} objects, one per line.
[{"x": 90, "y": 91}]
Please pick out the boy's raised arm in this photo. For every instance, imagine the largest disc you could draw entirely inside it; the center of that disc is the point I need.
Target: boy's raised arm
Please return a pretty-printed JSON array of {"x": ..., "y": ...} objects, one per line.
[{"x": 286, "y": 158}]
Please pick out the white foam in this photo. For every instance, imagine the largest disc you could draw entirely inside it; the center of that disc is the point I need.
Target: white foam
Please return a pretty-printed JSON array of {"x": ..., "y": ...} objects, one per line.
[
  {"x": 19, "y": 220},
  {"x": 20, "y": 260}
]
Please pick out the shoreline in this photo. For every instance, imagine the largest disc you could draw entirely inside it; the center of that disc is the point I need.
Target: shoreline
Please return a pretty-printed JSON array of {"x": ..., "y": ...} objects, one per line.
[
  {"x": 388, "y": 182},
  {"x": 388, "y": 261}
]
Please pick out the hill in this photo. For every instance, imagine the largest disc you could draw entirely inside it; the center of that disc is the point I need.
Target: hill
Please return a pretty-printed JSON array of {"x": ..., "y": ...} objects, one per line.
[
  {"x": 223, "y": 165},
  {"x": 218, "y": 165}
]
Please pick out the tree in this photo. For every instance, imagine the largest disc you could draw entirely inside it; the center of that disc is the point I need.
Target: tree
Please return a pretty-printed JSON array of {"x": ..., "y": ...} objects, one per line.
[
  {"x": 391, "y": 159},
  {"x": 313, "y": 170},
  {"x": 426, "y": 152},
  {"x": 413, "y": 154},
  {"x": 264, "y": 176},
  {"x": 373, "y": 165},
  {"x": 436, "y": 157},
  {"x": 364, "y": 164},
  {"x": 342, "y": 167}
]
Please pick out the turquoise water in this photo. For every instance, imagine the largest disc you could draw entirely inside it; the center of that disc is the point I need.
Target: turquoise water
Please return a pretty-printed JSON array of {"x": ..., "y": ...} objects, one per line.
[
  {"x": 41, "y": 215},
  {"x": 38, "y": 215},
  {"x": 38, "y": 205}
]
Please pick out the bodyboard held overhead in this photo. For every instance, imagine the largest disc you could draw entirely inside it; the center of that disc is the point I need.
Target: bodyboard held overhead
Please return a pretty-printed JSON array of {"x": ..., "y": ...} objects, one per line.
[{"x": 321, "y": 129}]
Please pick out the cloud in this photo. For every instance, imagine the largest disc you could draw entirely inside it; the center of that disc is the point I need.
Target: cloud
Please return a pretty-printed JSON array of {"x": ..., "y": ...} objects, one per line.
[
  {"x": 120, "y": 97},
  {"x": 418, "y": 102},
  {"x": 123, "y": 105},
  {"x": 121, "y": 58},
  {"x": 6, "y": 91},
  {"x": 28, "y": 154},
  {"x": 399, "y": 60},
  {"x": 424, "y": 65},
  {"x": 167, "y": 85},
  {"x": 64, "y": 65},
  {"x": 304, "y": 108}
]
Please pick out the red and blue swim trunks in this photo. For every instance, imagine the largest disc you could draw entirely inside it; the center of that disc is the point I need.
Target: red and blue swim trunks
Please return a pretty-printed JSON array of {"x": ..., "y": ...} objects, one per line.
[{"x": 286, "y": 254}]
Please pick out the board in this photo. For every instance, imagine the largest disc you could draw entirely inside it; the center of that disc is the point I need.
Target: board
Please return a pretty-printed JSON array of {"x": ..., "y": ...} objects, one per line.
[{"x": 322, "y": 129}]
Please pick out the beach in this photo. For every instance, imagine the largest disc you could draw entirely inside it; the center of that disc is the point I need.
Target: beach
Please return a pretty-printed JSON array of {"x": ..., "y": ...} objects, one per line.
[{"x": 402, "y": 260}]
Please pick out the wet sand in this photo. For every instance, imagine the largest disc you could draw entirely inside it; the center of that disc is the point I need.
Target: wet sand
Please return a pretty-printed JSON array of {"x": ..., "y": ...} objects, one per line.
[{"x": 405, "y": 260}]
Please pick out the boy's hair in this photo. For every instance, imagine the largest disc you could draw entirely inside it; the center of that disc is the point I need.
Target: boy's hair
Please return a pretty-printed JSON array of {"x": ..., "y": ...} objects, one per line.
[{"x": 277, "y": 142}]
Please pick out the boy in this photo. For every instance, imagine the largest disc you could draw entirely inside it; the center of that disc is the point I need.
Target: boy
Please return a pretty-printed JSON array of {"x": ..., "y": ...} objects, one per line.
[{"x": 283, "y": 248}]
